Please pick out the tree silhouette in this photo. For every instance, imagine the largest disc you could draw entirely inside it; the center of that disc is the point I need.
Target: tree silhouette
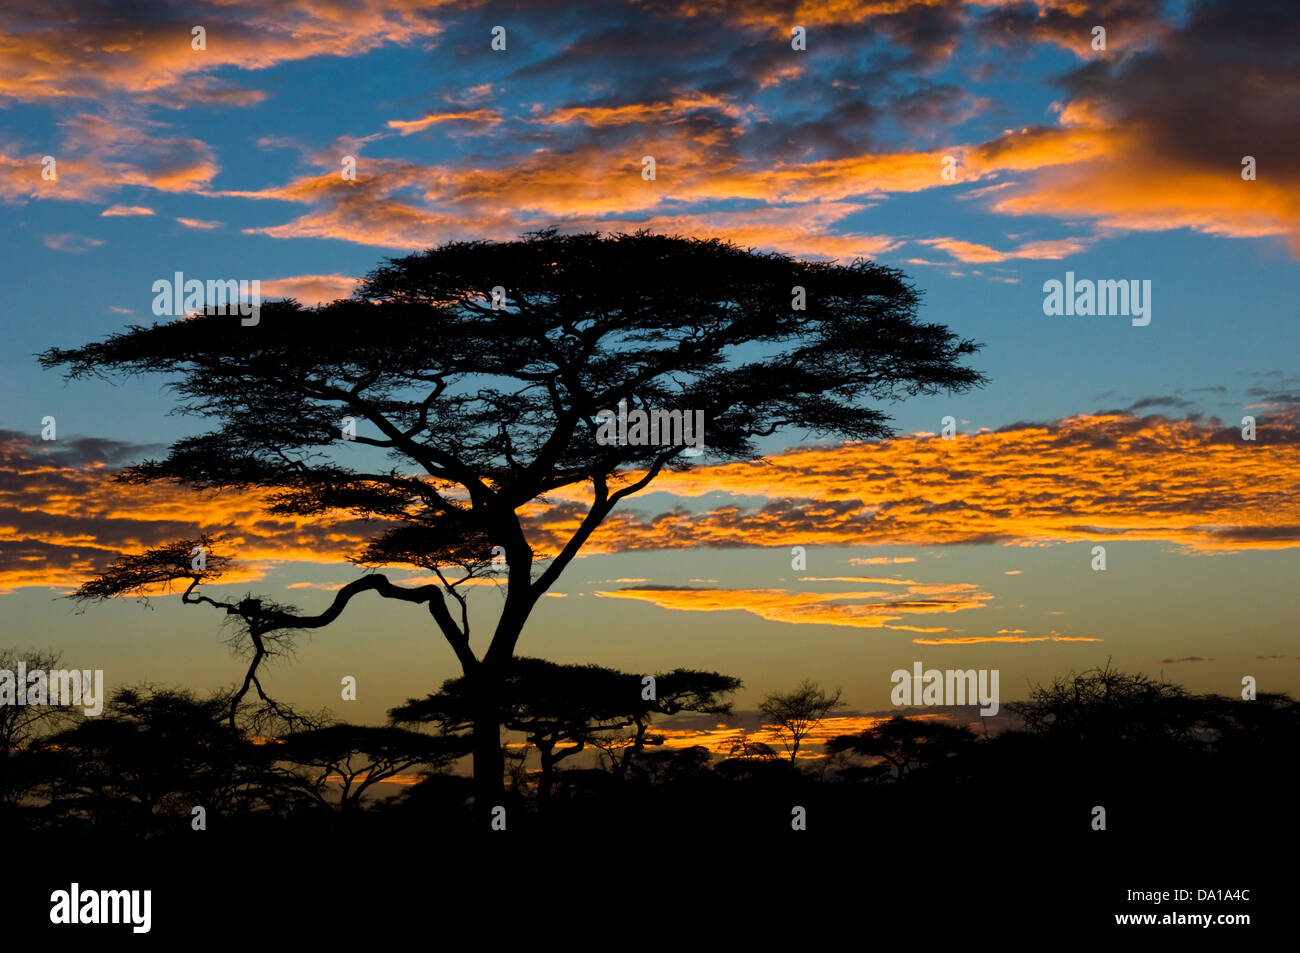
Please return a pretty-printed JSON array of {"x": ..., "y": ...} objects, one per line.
[
  {"x": 905, "y": 744},
  {"x": 354, "y": 757},
  {"x": 678, "y": 691},
  {"x": 153, "y": 756},
  {"x": 495, "y": 401},
  {"x": 797, "y": 713},
  {"x": 1105, "y": 706},
  {"x": 22, "y": 725},
  {"x": 563, "y": 709}
]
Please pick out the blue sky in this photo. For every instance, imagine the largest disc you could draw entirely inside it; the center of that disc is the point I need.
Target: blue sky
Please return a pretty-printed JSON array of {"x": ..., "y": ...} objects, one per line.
[{"x": 1122, "y": 163}]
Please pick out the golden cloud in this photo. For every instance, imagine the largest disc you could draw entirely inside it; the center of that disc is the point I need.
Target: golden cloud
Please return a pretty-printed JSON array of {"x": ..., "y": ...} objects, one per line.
[
  {"x": 309, "y": 289},
  {"x": 719, "y": 739},
  {"x": 1099, "y": 477},
  {"x": 153, "y": 59},
  {"x": 979, "y": 640},
  {"x": 484, "y": 117},
  {"x": 1094, "y": 477},
  {"x": 864, "y": 609}
]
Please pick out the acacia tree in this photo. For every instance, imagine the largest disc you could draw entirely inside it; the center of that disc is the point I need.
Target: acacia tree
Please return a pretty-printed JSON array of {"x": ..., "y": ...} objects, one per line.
[
  {"x": 493, "y": 400},
  {"x": 23, "y": 725},
  {"x": 154, "y": 754},
  {"x": 681, "y": 690},
  {"x": 1106, "y": 706},
  {"x": 353, "y": 758},
  {"x": 555, "y": 706},
  {"x": 905, "y": 744},
  {"x": 795, "y": 714}
]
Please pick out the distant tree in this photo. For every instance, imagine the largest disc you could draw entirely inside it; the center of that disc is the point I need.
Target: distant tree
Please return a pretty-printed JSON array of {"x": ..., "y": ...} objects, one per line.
[
  {"x": 21, "y": 725},
  {"x": 749, "y": 760},
  {"x": 552, "y": 705},
  {"x": 681, "y": 690},
  {"x": 1104, "y": 705},
  {"x": 905, "y": 744},
  {"x": 350, "y": 759},
  {"x": 149, "y": 759},
  {"x": 747, "y": 749},
  {"x": 562, "y": 709},
  {"x": 483, "y": 367},
  {"x": 795, "y": 714},
  {"x": 664, "y": 766}
]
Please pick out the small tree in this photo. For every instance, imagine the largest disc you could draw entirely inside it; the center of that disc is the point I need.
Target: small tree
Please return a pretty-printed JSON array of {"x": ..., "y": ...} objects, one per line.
[
  {"x": 354, "y": 757},
  {"x": 153, "y": 756},
  {"x": 21, "y": 725},
  {"x": 796, "y": 714},
  {"x": 562, "y": 709},
  {"x": 1104, "y": 705},
  {"x": 905, "y": 744},
  {"x": 678, "y": 691}
]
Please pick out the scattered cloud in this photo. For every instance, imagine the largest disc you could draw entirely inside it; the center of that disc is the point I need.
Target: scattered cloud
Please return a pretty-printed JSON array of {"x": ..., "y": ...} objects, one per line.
[
  {"x": 67, "y": 241},
  {"x": 310, "y": 290},
  {"x": 1107, "y": 477},
  {"x": 863, "y": 609}
]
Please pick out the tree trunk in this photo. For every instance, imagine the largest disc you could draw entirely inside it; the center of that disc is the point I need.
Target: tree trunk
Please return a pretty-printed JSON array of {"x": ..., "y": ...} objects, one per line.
[
  {"x": 489, "y": 764},
  {"x": 489, "y": 675},
  {"x": 547, "y": 776},
  {"x": 637, "y": 746}
]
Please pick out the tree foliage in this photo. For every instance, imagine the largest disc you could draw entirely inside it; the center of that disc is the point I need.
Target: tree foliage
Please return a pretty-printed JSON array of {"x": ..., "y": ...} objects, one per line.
[{"x": 795, "y": 714}]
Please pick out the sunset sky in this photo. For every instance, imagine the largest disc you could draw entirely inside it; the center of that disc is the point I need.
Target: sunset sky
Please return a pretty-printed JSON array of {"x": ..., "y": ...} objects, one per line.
[{"x": 1123, "y": 163}]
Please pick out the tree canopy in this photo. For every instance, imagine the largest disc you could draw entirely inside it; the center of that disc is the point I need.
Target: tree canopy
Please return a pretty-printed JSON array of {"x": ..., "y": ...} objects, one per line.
[{"x": 556, "y": 705}]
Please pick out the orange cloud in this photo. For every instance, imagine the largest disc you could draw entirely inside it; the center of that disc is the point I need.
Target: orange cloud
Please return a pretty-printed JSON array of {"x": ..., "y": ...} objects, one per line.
[
  {"x": 1086, "y": 168},
  {"x": 1096, "y": 164},
  {"x": 100, "y": 154},
  {"x": 309, "y": 289},
  {"x": 977, "y": 640},
  {"x": 719, "y": 739},
  {"x": 869, "y": 609},
  {"x": 1100, "y": 477},
  {"x": 61, "y": 515},
  {"x": 486, "y": 117},
  {"x": 773, "y": 14},
  {"x": 1101, "y": 168},
  {"x": 1138, "y": 192},
  {"x": 583, "y": 189},
  {"x": 152, "y": 59},
  {"x": 640, "y": 112},
  {"x": 1096, "y": 477},
  {"x": 973, "y": 252},
  {"x": 113, "y": 210},
  {"x": 1111, "y": 158}
]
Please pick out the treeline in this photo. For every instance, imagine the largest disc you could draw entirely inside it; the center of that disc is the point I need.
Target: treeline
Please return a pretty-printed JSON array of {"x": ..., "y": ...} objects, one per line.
[{"x": 1092, "y": 752}]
